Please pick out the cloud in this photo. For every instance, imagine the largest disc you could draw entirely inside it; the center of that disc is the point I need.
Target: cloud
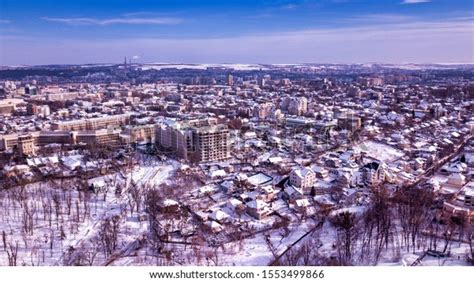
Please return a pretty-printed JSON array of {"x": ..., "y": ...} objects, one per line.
[
  {"x": 111, "y": 21},
  {"x": 141, "y": 14},
  {"x": 5, "y": 21},
  {"x": 415, "y": 42},
  {"x": 289, "y": 7},
  {"x": 378, "y": 19},
  {"x": 415, "y": 1}
]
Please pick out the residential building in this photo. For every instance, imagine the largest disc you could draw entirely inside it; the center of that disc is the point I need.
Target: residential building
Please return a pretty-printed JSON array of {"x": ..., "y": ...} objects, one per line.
[{"x": 302, "y": 178}]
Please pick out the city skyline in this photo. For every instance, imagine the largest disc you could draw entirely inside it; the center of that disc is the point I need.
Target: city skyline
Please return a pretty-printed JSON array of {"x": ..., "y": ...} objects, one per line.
[
  {"x": 187, "y": 135},
  {"x": 413, "y": 31}
]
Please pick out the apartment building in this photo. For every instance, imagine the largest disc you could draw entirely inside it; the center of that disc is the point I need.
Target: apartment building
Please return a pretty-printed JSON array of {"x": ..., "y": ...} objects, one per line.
[
  {"x": 92, "y": 123},
  {"x": 62, "y": 96},
  {"x": 349, "y": 122},
  {"x": 196, "y": 140},
  {"x": 44, "y": 138},
  {"x": 8, "y": 106},
  {"x": 142, "y": 133},
  {"x": 101, "y": 136},
  {"x": 6, "y": 109},
  {"x": 211, "y": 143},
  {"x": 26, "y": 145},
  {"x": 8, "y": 141},
  {"x": 69, "y": 125}
]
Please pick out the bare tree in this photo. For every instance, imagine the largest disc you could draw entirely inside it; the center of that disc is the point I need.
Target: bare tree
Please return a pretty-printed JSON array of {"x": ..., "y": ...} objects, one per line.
[
  {"x": 347, "y": 232},
  {"x": 470, "y": 240},
  {"x": 4, "y": 240},
  {"x": 377, "y": 228},
  {"x": 108, "y": 234},
  {"x": 136, "y": 197},
  {"x": 12, "y": 254},
  {"x": 413, "y": 210},
  {"x": 28, "y": 218}
]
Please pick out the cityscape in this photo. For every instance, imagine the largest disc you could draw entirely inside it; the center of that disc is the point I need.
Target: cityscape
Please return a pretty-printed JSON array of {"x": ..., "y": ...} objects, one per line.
[{"x": 205, "y": 161}]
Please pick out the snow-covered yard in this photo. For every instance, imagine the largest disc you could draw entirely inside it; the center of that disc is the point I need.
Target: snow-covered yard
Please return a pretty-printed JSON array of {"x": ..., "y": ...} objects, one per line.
[{"x": 380, "y": 151}]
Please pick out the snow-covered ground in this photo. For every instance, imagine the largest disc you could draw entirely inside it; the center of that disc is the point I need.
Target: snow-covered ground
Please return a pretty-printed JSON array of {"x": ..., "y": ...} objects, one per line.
[
  {"x": 59, "y": 218},
  {"x": 380, "y": 151}
]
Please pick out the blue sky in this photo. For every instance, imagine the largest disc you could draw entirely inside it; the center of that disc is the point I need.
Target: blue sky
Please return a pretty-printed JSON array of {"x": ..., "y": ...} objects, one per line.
[{"x": 204, "y": 31}]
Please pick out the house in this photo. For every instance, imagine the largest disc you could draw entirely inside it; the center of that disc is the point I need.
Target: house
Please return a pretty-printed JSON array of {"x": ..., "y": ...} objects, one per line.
[
  {"x": 201, "y": 215},
  {"x": 208, "y": 189},
  {"x": 320, "y": 172},
  {"x": 260, "y": 179},
  {"x": 169, "y": 206},
  {"x": 324, "y": 201},
  {"x": 455, "y": 182},
  {"x": 258, "y": 209},
  {"x": 219, "y": 173},
  {"x": 16, "y": 170},
  {"x": 302, "y": 178},
  {"x": 457, "y": 167},
  {"x": 468, "y": 159},
  {"x": 292, "y": 193},
  {"x": 214, "y": 226},
  {"x": 228, "y": 186},
  {"x": 235, "y": 204},
  {"x": 373, "y": 173},
  {"x": 267, "y": 193},
  {"x": 72, "y": 162},
  {"x": 219, "y": 216},
  {"x": 302, "y": 205},
  {"x": 461, "y": 205},
  {"x": 419, "y": 163}
]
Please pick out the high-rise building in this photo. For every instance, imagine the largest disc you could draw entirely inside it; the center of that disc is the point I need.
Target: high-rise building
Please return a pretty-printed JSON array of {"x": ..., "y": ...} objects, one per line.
[
  {"x": 298, "y": 106},
  {"x": 26, "y": 145},
  {"x": 285, "y": 82},
  {"x": 31, "y": 90},
  {"x": 263, "y": 111},
  {"x": 195, "y": 141},
  {"x": 230, "y": 80}
]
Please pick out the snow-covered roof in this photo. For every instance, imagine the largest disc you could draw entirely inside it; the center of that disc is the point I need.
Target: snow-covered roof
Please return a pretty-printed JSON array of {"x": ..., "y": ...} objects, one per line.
[
  {"x": 457, "y": 177},
  {"x": 169, "y": 203},
  {"x": 303, "y": 172},
  {"x": 217, "y": 173},
  {"x": 257, "y": 204},
  {"x": 219, "y": 215},
  {"x": 207, "y": 189},
  {"x": 302, "y": 202},
  {"x": 234, "y": 202},
  {"x": 259, "y": 179},
  {"x": 214, "y": 225},
  {"x": 319, "y": 169},
  {"x": 275, "y": 160}
]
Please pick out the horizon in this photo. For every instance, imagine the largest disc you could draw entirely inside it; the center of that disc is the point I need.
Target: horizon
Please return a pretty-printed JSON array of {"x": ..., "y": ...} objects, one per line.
[
  {"x": 268, "y": 32},
  {"x": 242, "y": 63}
]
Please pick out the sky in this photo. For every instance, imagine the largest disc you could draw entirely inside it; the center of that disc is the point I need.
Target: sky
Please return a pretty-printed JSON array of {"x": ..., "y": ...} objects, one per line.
[{"x": 36, "y": 32}]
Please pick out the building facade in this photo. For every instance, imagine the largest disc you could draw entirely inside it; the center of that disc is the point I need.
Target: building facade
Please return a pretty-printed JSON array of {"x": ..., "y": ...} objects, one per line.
[
  {"x": 196, "y": 141},
  {"x": 302, "y": 178}
]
